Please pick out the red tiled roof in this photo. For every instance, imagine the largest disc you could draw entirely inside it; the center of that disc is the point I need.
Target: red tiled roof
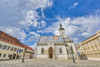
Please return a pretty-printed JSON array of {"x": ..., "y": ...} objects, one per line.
[
  {"x": 9, "y": 39},
  {"x": 28, "y": 47}
]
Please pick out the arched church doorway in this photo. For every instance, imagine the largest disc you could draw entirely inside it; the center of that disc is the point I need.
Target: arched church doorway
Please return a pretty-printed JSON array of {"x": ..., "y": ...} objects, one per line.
[{"x": 50, "y": 52}]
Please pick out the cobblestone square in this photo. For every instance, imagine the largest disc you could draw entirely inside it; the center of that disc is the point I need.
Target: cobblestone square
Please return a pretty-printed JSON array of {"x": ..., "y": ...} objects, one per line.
[{"x": 49, "y": 63}]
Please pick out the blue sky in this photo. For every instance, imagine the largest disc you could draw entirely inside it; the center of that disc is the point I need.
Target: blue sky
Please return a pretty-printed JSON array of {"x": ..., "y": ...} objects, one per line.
[{"x": 29, "y": 19}]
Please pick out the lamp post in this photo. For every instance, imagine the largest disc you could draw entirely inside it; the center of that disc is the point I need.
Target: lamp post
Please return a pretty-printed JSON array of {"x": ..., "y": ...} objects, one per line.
[
  {"x": 72, "y": 52},
  {"x": 25, "y": 49}
]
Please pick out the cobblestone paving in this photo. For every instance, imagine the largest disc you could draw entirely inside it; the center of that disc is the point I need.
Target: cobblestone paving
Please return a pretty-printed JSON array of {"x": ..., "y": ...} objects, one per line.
[{"x": 49, "y": 63}]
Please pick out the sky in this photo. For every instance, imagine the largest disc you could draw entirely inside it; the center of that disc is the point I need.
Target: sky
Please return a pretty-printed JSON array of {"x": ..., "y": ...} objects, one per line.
[{"x": 29, "y": 19}]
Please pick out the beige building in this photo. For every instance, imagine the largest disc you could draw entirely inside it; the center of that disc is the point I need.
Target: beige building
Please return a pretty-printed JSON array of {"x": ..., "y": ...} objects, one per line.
[
  {"x": 12, "y": 48},
  {"x": 90, "y": 48}
]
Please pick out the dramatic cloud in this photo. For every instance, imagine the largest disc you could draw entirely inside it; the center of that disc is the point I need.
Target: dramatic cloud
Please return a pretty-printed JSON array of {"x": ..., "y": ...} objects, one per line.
[
  {"x": 34, "y": 46},
  {"x": 84, "y": 26},
  {"x": 20, "y": 16},
  {"x": 28, "y": 19}
]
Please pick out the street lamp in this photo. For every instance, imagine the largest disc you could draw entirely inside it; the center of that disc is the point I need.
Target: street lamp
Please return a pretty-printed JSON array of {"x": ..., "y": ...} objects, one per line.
[
  {"x": 72, "y": 52},
  {"x": 25, "y": 50}
]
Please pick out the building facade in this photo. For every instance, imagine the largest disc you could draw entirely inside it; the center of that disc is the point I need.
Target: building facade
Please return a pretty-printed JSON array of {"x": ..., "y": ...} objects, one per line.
[
  {"x": 55, "y": 47},
  {"x": 11, "y": 48},
  {"x": 90, "y": 48}
]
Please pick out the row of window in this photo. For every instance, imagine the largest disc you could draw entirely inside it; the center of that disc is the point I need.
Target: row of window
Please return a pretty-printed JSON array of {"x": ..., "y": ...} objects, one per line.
[
  {"x": 42, "y": 51},
  {"x": 94, "y": 55},
  {"x": 93, "y": 45},
  {"x": 4, "y": 55},
  {"x": 5, "y": 47}
]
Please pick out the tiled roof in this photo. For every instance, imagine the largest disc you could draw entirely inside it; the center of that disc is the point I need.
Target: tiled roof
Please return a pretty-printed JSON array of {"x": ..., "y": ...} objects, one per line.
[
  {"x": 54, "y": 39},
  {"x": 12, "y": 40},
  {"x": 9, "y": 39},
  {"x": 50, "y": 38},
  {"x": 28, "y": 47}
]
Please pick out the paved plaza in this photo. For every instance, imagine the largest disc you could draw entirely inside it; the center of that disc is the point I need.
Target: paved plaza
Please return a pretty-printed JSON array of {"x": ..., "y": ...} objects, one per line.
[{"x": 49, "y": 63}]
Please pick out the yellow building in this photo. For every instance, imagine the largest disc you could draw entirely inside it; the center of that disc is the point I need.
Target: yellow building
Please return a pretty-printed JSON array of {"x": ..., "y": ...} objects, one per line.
[
  {"x": 12, "y": 48},
  {"x": 90, "y": 48}
]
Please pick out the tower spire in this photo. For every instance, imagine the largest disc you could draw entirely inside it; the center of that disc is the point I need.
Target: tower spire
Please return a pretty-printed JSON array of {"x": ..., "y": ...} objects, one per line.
[
  {"x": 60, "y": 25},
  {"x": 61, "y": 28},
  {"x": 62, "y": 31}
]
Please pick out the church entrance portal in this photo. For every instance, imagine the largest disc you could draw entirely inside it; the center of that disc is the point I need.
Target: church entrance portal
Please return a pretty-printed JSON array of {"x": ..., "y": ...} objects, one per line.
[{"x": 50, "y": 52}]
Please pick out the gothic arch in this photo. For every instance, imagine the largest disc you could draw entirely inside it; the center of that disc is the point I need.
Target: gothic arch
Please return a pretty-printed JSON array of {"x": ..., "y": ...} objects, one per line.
[{"x": 50, "y": 51}]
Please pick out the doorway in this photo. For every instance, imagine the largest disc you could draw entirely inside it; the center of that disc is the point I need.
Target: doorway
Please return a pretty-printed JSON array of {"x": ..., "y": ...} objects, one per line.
[
  {"x": 50, "y": 52},
  {"x": 14, "y": 56}
]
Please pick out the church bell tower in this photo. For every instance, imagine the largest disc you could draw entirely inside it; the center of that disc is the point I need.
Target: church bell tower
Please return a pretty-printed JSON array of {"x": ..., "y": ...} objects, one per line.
[{"x": 62, "y": 31}]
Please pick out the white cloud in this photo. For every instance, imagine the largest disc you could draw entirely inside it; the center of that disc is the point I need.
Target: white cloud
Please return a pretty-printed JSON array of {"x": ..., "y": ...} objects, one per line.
[
  {"x": 31, "y": 19},
  {"x": 84, "y": 26},
  {"x": 85, "y": 34},
  {"x": 34, "y": 46},
  {"x": 56, "y": 32},
  {"x": 75, "y": 40},
  {"x": 16, "y": 32},
  {"x": 43, "y": 13},
  {"x": 72, "y": 29},
  {"x": 34, "y": 33},
  {"x": 33, "y": 37},
  {"x": 22, "y": 15},
  {"x": 39, "y": 31},
  {"x": 43, "y": 23},
  {"x": 73, "y": 6},
  {"x": 27, "y": 4}
]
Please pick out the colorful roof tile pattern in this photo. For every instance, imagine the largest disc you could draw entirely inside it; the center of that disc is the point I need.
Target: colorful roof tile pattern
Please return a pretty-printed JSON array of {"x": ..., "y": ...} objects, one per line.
[
  {"x": 54, "y": 39},
  {"x": 50, "y": 38}
]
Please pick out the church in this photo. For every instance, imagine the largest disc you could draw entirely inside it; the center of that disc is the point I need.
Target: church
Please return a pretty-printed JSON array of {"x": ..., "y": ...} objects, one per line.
[{"x": 55, "y": 47}]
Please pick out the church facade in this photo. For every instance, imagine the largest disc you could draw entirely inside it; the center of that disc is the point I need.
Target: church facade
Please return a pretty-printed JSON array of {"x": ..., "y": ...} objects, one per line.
[{"x": 55, "y": 47}]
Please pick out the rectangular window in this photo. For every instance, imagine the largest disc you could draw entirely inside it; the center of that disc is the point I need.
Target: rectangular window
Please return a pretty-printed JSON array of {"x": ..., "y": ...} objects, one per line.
[
  {"x": 22, "y": 50},
  {"x": 12, "y": 49},
  {"x": 96, "y": 55},
  {"x": 4, "y": 55},
  {"x": 0, "y": 55},
  {"x": 89, "y": 49},
  {"x": 0, "y": 45},
  {"x": 94, "y": 42},
  {"x": 4, "y": 47},
  {"x": 9, "y": 55},
  {"x": 8, "y": 47},
  {"x": 97, "y": 47},
  {"x": 15, "y": 49},
  {"x": 98, "y": 40},
  {"x": 93, "y": 49}
]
